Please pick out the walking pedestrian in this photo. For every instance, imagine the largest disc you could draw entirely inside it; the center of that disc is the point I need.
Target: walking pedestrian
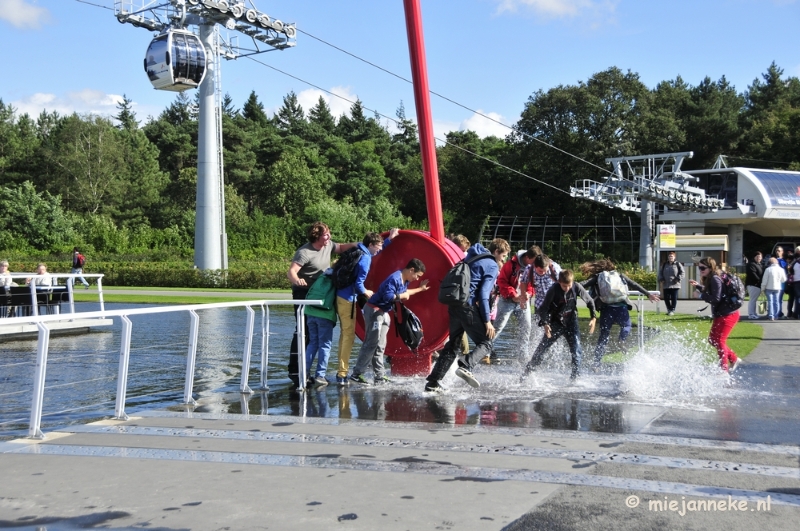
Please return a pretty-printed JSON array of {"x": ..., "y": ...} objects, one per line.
[{"x": 78, "y": 261}]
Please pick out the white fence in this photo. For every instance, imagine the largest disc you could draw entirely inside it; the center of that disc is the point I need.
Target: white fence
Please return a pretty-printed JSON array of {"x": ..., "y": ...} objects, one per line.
[{"x": 43, "y": 342}]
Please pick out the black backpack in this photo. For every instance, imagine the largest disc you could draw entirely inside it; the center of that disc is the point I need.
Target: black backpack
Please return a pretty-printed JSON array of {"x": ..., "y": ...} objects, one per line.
[
  {"x": 454, "y": 289},
  {"x": 409, "y": 328},
  {"x": 733, "y": 289},
  {"x": 344, "y": 271}
]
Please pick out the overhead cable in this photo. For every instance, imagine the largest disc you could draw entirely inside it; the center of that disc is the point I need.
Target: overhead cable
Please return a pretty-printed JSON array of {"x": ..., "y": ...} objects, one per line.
[{"x": 398, "y": 123}]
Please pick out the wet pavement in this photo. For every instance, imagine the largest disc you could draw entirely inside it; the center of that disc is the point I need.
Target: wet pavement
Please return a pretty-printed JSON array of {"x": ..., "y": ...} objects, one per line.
[{"x": 654, "y": 443}]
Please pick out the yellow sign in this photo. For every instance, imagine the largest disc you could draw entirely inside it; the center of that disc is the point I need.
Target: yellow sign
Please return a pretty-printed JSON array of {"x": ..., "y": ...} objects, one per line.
[{"x": 666, "y": 235}]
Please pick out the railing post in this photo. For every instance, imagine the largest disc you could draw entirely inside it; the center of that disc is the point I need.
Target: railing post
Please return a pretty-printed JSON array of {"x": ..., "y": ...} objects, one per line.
[
  {"x": 124, "y": 359},
  {"x": 42, "y": 346},
  {"x": 191, "y": 356},
  {"x": 248, "y": 346},
  {"x": 71, "y": 295},
  {"x": 264, "y": 346},
  {"x": 100, "y": 293},
  {"x": 301, "y": 347},
  {"x": 34, "y": 298}
]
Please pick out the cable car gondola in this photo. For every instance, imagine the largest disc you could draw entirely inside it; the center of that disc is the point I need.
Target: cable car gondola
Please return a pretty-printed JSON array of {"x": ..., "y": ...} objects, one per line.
[{"x": 175, "y": 60}]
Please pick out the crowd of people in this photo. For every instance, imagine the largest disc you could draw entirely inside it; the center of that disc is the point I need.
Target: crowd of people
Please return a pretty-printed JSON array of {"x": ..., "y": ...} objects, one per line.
[{"x": 529, "y": 287}]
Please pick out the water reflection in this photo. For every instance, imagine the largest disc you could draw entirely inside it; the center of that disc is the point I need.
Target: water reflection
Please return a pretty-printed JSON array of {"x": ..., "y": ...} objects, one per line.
[{"x": 671, "y": 383}]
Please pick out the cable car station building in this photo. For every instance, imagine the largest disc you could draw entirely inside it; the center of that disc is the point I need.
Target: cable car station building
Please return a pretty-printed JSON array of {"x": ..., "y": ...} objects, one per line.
[{"x": 766, "y": 202}]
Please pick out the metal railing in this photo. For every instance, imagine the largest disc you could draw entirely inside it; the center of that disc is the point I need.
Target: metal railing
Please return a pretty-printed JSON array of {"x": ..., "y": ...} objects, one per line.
[
  {"x": 28, "y": 283},
  {"x": 43, "y": 343}
]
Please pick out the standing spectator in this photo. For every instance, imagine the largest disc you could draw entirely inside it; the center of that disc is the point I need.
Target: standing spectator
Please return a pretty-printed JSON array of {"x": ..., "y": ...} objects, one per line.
[
  {"x": 78, "y": 261},
  {"x": 508, "y": 300},
  {"x": 377, "y": 319},
  {"x": 42, "y": 277},
  {"x": 755, "y": 272},
  {"x": 670, "y": 276},
  {"x": 790, "y": 282},
  {"x": 614, "y": 308},
  {"x": 771, "y": 282},
  {"x": 782, "y": 264},
  {"x": 308, "y": 263},
  {"x": 558, "y": 314},
  {"x": 5, "y": 275},
  {"x": 724, "y": 313},
  {"x": 471, "y": 318},
  {"x": 795, "y": 271},
  {"x": 346, "y": 298}
]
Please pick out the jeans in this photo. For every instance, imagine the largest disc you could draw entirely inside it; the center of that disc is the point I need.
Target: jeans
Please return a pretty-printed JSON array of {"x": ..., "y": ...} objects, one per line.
[
  {"x": 796, "y": 288},
  {"x": 78, "y": 271},
  {"x": 507, "y": 307},
  {"x": 609, "y": 316},
  {"x": 752, "y": 306},
  {"x": 671, "y": 298},
  {"x": 720, "y": 330},
  {"x": 571, "y": 333},
  {"x": 376, "y": 326},
  {"x": 320, "y": 339},
  {"x": 773, "y": 302}
]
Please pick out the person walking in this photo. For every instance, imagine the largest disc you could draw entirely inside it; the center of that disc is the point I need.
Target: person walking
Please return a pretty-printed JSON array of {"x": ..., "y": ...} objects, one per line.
[
  {"x": 508, "y": 303},
  {"x": 78, "y": 261},
  {"x": 782, "y": 263},
  {"x": 558, "y": 314},
  {"x": 794, "y": 272},
  {"x": 669, "y": 276},
  {"x": 771, "y": 282},
  {"x": 752, "y": 281},
  {"x": 724, "y": 311},
  {"x": 472, "y": 317}
]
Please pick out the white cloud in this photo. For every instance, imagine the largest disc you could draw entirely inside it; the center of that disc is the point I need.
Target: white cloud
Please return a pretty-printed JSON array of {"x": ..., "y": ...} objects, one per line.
[
  {"x": 559, "y": 8},
  {"x": 485, "y": 127},
  {"x": 309, "y": 98},
  {"x": 86, "y": 101},
  {"x": 23, "y": 15}
]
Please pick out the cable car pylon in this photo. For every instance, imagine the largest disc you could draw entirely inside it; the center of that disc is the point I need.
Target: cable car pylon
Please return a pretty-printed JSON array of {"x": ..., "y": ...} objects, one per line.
[{"x": 186, "y": 55}]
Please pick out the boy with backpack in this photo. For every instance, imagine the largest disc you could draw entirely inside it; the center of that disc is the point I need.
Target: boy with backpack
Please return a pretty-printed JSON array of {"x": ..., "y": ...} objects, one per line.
[
  {"x": 609, "y": 289},
  {"x": 558, "y": 315},
  {"x": 377, "y": 319},
  {"x": 349, "y": 274},
  {"x": 466, "y": 290}
]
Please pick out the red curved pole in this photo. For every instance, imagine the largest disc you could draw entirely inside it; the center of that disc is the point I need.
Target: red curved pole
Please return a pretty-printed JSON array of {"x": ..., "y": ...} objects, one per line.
[{"x": 419, "y": 73}]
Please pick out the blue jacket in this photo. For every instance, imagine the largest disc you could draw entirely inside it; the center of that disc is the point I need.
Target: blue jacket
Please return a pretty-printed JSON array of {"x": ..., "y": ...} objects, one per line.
[
  {"x": 349, "y": 293},
  {"x": 387, "y": 293},
  {"x": 483, "y": 274}
]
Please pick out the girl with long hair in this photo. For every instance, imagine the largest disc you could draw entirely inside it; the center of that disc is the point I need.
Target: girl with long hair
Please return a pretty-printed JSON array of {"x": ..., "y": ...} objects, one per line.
[{"x": 724, "y": 313}]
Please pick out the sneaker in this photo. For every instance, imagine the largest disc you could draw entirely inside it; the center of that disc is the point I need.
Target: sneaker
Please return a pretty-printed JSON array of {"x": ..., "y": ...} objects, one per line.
[
  {"x": 434, "y": 387},
  {"x": 467, "y": 376},
  {"x": 359, "y": 378},
  {"x": 320, "y": 382},
  {"x": 341, "y": 381},
  {"x": 670, "y": 312},
  {"x": 382, "y": 380},
  {"x": 486, "y": 360},
  {"x": 735, "y": 365},
  {"x": 86, "y": 287}
]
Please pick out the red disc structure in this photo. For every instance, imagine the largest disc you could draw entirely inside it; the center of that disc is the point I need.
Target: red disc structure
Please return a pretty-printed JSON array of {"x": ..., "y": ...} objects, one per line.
[{"x": 438, "y": 259}]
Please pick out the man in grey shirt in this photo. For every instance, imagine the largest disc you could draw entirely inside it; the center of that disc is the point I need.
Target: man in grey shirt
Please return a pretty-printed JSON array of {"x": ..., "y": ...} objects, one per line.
[{"x": 308, "y": 263}]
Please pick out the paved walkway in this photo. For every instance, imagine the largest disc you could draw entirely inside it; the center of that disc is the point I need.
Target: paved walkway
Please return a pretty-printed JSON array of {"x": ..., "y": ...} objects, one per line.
[{"x": 170, "y": 470}]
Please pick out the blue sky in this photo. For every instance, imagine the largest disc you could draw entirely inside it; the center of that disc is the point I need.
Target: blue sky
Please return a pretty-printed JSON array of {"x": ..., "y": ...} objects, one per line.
[{"x": 489, "y": 55}]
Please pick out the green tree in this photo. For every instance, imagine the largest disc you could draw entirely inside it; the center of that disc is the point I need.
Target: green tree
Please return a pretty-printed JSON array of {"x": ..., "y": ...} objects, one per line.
[
  {"x": 126, "y": 117},
  {"x": 28, "y": 218}
]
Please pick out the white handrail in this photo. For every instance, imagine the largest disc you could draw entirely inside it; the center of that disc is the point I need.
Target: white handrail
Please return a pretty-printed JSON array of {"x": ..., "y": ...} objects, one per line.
[
  {"x": 54, "y": 286},
  {"x": 41, "y": 321}
]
